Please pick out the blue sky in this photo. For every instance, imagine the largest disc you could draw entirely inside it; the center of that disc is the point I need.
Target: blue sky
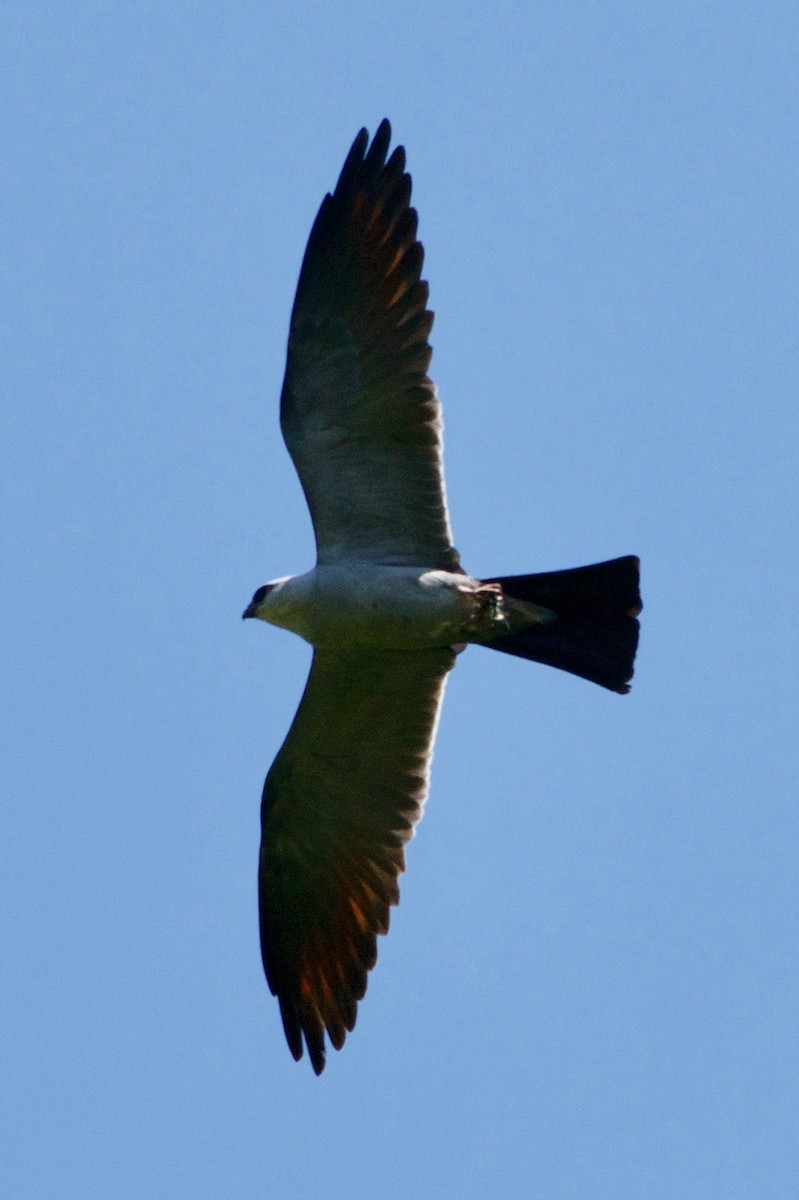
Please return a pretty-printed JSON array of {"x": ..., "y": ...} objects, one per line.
[{"x": 590, "y": 988}]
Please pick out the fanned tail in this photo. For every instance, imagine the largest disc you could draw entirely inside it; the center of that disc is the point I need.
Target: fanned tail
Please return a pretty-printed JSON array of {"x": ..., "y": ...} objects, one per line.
[{"x": 595, "y": 633}]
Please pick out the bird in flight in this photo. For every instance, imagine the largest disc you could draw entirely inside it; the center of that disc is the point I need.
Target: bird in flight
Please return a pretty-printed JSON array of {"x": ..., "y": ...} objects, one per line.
[{"x": 387, "y": 608}]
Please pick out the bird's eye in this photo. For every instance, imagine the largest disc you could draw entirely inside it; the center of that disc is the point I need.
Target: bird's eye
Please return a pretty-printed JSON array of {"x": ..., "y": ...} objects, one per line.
[{"x": 261, "y": 593}]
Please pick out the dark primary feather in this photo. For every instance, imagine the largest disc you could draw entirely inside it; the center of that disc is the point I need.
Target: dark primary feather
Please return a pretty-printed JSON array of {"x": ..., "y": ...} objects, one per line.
[
  {"x": 358, "y": 412},
  {"x": 339, "y": 804}
]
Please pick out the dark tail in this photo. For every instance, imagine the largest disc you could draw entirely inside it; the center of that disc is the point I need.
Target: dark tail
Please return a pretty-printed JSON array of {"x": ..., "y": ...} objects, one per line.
[{"x": 595, "y": 634}]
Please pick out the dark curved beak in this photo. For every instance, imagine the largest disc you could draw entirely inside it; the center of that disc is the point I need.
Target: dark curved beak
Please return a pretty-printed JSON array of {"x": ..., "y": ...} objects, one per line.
[{"x": 248, "y": 612}]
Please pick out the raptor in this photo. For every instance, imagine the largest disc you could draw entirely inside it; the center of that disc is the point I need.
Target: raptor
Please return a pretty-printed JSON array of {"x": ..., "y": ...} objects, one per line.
[{"x": 387, "y": 607}]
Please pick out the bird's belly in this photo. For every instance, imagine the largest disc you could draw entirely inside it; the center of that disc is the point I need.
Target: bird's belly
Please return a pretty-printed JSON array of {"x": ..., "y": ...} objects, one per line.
[{"x": 387, "y": 607}]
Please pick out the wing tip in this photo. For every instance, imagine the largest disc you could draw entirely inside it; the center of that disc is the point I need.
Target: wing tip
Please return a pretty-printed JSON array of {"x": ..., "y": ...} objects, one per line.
[{"x": 365, "y": 160}]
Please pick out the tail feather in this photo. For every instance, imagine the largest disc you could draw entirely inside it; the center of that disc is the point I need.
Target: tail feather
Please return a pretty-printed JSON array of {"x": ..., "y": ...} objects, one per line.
[{"x": 594, "y": 634}]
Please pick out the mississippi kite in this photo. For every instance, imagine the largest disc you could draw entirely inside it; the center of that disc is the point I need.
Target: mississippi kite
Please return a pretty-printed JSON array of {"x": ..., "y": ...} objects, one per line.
[{"x": 387, "y": 606}]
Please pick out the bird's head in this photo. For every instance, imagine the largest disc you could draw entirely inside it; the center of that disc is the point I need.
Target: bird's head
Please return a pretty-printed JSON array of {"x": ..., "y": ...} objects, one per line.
[{"x": 265, "y": 601}]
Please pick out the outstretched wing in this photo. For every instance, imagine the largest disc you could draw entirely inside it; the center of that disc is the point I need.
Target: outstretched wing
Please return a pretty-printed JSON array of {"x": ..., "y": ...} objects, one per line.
[
  {"x": 358, "y": 412},
  {"x": 339, "y": 804}
]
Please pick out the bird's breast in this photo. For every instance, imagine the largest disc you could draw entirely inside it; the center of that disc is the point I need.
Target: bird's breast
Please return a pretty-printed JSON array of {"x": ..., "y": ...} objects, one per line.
[{"x": 363, "y": 604}]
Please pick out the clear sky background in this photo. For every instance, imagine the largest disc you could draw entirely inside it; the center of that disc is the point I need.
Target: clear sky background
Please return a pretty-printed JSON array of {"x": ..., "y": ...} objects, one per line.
[{"x": 590, "y": 989}]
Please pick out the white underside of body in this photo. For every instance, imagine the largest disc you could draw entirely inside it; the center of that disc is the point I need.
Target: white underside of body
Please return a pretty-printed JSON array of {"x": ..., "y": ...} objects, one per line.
[{"x": 357, "y": 603}]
